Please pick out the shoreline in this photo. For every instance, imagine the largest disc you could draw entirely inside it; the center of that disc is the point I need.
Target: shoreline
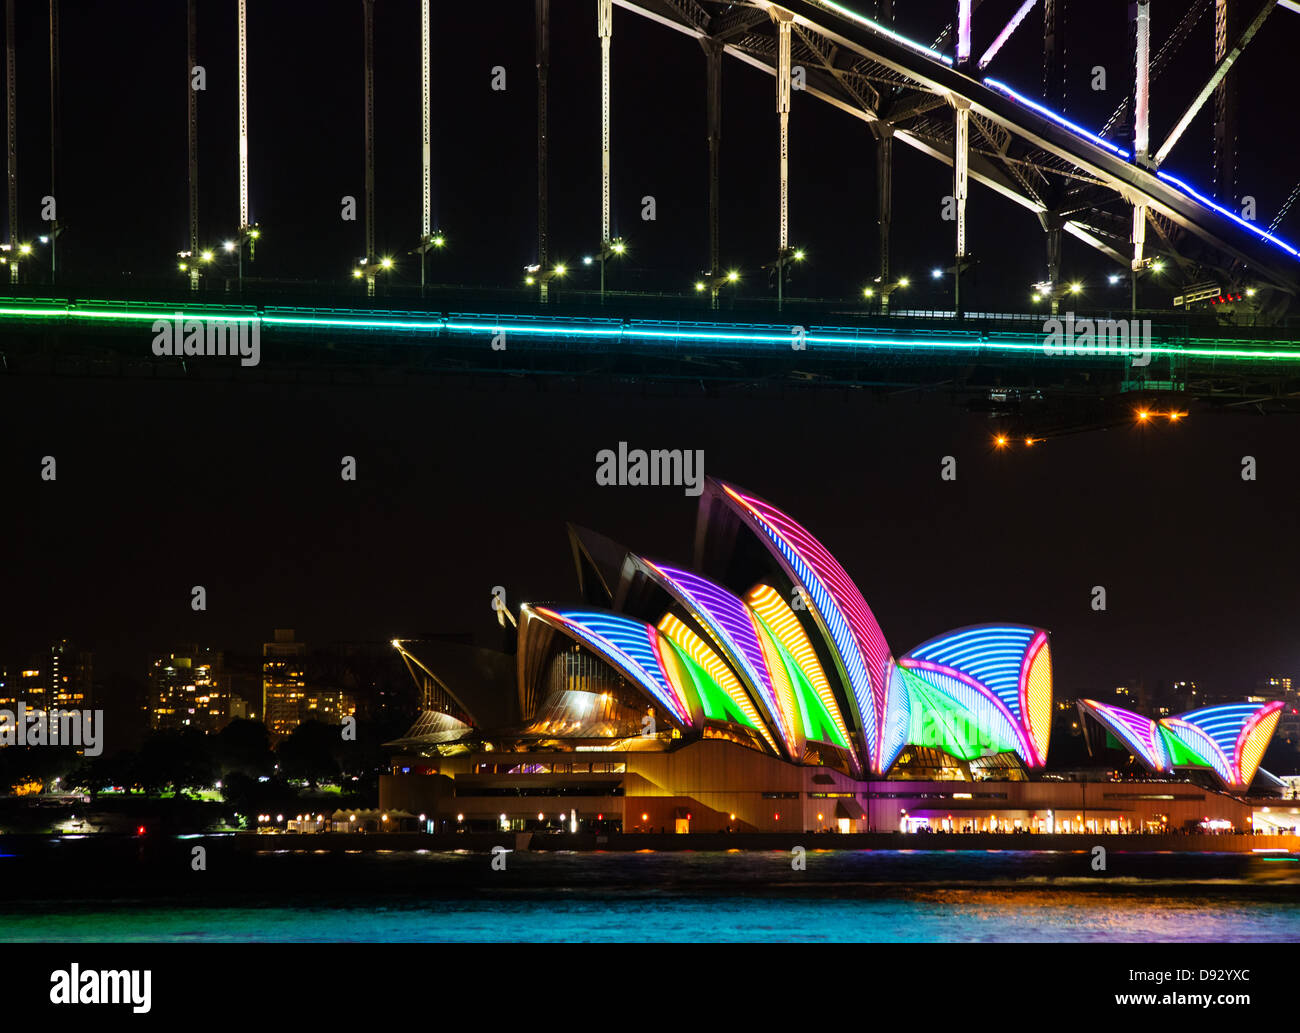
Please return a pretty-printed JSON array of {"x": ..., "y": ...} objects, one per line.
[{"x": 484, "y": 842}]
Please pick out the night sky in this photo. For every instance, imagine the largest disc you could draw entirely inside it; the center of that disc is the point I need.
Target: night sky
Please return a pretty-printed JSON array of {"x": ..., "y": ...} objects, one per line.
[
  {"x": 462, "y": 487},
  {"x": 465, "y": 485}
]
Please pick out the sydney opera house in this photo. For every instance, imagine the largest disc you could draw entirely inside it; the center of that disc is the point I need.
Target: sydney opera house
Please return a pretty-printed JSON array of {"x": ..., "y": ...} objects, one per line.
[{"x": 757, "y": 692}]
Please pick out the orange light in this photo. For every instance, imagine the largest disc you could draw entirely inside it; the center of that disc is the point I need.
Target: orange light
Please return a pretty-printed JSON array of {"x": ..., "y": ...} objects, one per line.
[
  {"x": 1000, "y": 441},
  {"x": 1029, "y": 441},
  {"x": 1143, "y": 414},
  {"x": 1174, "y": 417}
]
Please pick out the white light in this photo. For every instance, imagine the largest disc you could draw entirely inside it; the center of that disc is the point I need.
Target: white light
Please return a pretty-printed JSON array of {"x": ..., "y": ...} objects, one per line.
[
  {"x": 936, "y": 273},
  {"x": 1113, "y": 279}
]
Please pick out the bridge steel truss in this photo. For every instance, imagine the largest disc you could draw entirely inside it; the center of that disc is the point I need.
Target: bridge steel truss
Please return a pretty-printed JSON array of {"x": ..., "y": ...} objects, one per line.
[{"x": 1072, "y": 180}]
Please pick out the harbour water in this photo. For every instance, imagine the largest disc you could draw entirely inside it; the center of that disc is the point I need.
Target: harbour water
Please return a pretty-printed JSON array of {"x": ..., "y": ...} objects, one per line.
[{"x": 300, "y": 895}]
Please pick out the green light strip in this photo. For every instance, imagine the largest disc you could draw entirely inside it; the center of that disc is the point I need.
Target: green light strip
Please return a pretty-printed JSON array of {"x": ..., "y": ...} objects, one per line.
[{"x": 108, "y": 312}]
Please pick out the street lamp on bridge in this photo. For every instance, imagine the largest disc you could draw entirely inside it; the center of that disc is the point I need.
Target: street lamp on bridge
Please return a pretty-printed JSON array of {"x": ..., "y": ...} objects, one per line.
[
  {"x": 886, "y": 291},
  {"x": 248, "y": 235},
  {"x": 955, "y": 270},
  {"x": 787, "y": 256},
  {"x": 714, "y": 282},
  {"x": 1142, "y": 268},
  {"x": 608, "y": 250},
  {"x": 368, "y": 268},
  {"x": 535, "y": 275},
  {"x": 429, "y": 242},
  {"x": 13, "y": 256},
  {"x": 1054, "y": 292}
]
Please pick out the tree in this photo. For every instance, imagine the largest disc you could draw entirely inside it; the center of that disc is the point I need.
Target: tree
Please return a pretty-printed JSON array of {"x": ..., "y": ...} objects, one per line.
[
  {"x": 243, "y": 746},
  {"x": 177, "y": 761},
  {"x": 311, "y": 752}
]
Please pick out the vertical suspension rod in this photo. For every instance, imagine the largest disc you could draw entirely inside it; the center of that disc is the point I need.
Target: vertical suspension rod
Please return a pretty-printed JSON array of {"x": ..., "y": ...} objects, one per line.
[
  {"x": 543, "y": 31},
  {"x": 192, "y": 129},
  {"x": 55, "y": 129},
  {"x": 368, "y": 14},
  {"x": 243, "y": 116},
  {"x": 11, "y": 109},
  {"x": 426, "y": 141}
]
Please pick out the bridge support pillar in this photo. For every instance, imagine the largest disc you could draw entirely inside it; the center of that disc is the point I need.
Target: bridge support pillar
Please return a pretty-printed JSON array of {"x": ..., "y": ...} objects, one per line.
[
  {"x": 368, "y": 38},
  {"x": 963, "y": 32},
  {"x": 1052, "y": 225},
  {"x": 543, "y": 32},
  {"x": 1139, "y": 246},
  {"x": 1054, "y": 80},
  {"x": 1225, "y": 106},
  {"x": 1140, "y": 99},
  {"x": 884, "y": 192},
  {"x": 55, "y": 112},
  {"x": 605, "y": 30},
  {"x": 192, "y": 128},
  {"x": 713, "y": 89},
  {"x": 11, "y": 111},
  {"x": 960, "y": 190},
  {"x": 784, "y": 23},
  {"x": 783, "y": 26},
  {"x": 426, "y": 142},
  {"x": 244, "y": 222}
]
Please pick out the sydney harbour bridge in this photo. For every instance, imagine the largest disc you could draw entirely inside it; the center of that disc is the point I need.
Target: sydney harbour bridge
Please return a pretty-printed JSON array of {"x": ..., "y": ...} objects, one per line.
[{"x": 1212, "y": 281}]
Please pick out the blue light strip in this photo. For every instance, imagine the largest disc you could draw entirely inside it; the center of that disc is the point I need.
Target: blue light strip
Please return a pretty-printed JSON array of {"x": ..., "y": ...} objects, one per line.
[
  {"x": 739, "y": 336},
  {"x": 846, "y": 645},
  {"x": 626, "y": 643},
  {"x": 1130, "y": 728},
  {"x": 1200, "y": 742},
  {"x": 898, "y": 713},
  {"x": 991, "y": 656},
  {"x": 1222, "y": 723},
  {"x": 1060, "y": 120},
  {"x": 1172, "y": 180},
  {"x": 1262, "y": 234}
]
